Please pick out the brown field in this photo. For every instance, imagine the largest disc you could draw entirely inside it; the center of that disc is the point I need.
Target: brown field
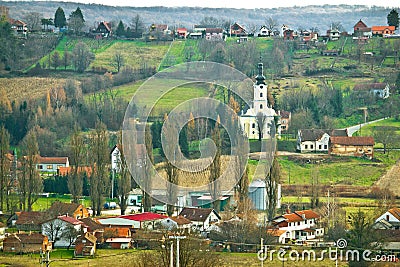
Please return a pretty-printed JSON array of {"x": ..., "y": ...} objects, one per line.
[{"x": 26, "y": 88}]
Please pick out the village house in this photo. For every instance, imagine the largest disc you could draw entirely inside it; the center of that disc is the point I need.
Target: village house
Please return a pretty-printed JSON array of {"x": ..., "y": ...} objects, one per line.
[
  {"x": 145, "y": 220},
  {"x": 85, "y": 245},
  {"x": 389, "y": 220},
  {"x": 182, "y": 33},
  {"x": 103, "y": 30},
  {"x": 316, "y": 140},
  {"x": 28, "y": 220},
  {"x": 19, "y": 27},
  {"x": 201, "y": 219},
  {"x": 237, "y": 30},
  {"x": 361, "y": 30},
  {"x": 94, "y": 228},
  {"x": 333, "y": 34},
  {"x": 50, "y": 165},
  {"x": 60, "y": 230},
  {"x": 356, "y": 146},
  {"x": 179, "y": 223},
  {"x": 26, "y": 243},
  {"x": 264, "y": 32},
  {"x": 296, "y": 226},
  {"x": 118, "y": 237},
  {"x": 214, "y": 34},
  {"x": 380, "y": 90},
  {"x": 74, "y": 210},
  {"x": 383, "y": 30},
  {"x": 286, "y": 117}
]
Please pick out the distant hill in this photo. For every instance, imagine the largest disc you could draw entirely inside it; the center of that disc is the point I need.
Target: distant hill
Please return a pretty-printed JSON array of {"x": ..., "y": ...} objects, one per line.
[{"x": 296, "y": 17}]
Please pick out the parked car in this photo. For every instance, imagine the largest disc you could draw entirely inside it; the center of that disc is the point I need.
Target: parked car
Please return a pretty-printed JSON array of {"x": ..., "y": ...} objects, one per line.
[{"x": 110, "y": 205}]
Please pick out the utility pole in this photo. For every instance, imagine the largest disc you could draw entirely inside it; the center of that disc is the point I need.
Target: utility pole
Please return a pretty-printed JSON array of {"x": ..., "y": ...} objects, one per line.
[
  {"x": 171, "y": 256},
  {"x": 177, "y": 247},
  {"x": 262, "y": 247}
]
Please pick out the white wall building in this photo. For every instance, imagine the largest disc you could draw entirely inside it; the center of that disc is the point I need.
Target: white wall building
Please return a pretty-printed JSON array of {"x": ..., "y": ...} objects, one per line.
[
  {"x": 260, "y": 108},
  {"x": 57, "y": 230}
]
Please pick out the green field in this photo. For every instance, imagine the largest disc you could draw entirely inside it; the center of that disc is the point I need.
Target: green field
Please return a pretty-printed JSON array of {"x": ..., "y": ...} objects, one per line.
[
  {"x": 137, "y": 54},
  {"x": 350, "y": 171},
  {"x": 43, "y": 203}
]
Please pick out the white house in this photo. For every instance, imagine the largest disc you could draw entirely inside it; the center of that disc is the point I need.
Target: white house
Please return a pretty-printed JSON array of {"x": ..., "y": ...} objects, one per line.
[
  {"x": 58, "y": 230},
  {"x": 392, "y": 216},
  {"x": 264, "y": 32},
  {"x": 260, "y": 111},
  {"x": 380, "y": 90},
  {"x": 316, "y": 140},
  {"x": 51, "y": 164},
  {"x": 298, "y": 226},
  {"x": 202, "y": 219},
  {"x": 333, "y": 34}
]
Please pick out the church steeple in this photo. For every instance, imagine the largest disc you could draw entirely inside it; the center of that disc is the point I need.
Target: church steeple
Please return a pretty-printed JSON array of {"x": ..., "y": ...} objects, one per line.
[{"x": 260, "y": 79}]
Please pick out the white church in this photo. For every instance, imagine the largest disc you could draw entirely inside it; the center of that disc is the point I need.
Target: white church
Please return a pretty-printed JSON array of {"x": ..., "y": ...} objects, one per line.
[{"x": 248, "y": 120}]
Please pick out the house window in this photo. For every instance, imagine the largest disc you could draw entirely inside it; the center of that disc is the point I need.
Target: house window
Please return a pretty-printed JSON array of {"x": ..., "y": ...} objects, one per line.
[
  {"x": 49, "y": 167},
  {"x": 298, "y": 223},
  {"x": 40, "y": 167},
  {"x": 306, "y": 146},
  {"x": 320, "y": 147},
  {"x": 387, "y": 217},
  {"x": 261, "y": 94},
  {"x": 311, "y": 146},
  {"x": 325, "y": 146}
]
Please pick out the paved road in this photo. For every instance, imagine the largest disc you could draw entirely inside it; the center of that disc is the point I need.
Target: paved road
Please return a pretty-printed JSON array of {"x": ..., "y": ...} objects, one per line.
[{"x": 352, "y": 129}]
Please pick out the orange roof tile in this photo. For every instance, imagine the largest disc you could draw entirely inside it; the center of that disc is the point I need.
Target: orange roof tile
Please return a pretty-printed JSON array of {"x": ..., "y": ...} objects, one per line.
[
  {"x": 395, "y": 212},
  {"x": 353, "y": 140}
]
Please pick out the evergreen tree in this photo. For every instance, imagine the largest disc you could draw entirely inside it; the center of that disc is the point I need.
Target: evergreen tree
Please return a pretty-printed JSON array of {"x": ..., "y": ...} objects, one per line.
[
  {"x": 393, "y": 18},
  {"x": 59, "y": 18},
  {"x": 120, "y": 29},
  {"x": 76, "y": 21}
]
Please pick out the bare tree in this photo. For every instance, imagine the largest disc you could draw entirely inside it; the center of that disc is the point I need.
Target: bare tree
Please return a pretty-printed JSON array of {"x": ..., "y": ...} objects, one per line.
[
  {"x": 271, "y": 185},
  {"x": 171, "y": 152},
  {"x": 75, "y": 179},
  {"x": 271, "y": 24},
  {"x": 137, "y": 25},
  {"x": 32, "y": 182},
  {"x": 215, "y": 168},
  {"x": 148, "y": 170},
  {"x": 124, "y": 179},
  {"x": 53, "y": 230},
  {"x": 33, "y": 20},
  {"x": 261, "y": 119},
  {"x": 119, "y": 60},
  {"x": 99, "y": 178},
  {"x": 70, "y": 234},
  {"x": 4, "y": 163}
]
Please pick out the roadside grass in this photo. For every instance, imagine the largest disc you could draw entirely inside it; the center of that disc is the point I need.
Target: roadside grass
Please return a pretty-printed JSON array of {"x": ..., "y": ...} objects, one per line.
[{"x": 367, "y": 130}]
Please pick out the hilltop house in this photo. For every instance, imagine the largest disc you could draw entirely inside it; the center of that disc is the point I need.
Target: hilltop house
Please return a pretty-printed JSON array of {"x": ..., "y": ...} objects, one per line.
[
  {"x": 361, "y": 30},
  {"x": 286, "y": 117},
  {"x": 19, "y": 27},
  {"x": 103, "y": 30},
  {"x": 237, "y": 30},
  {"x": 51, "y": 165},
  {"x": 264, "y": 32},
  {"x": 356, "y": 146},
  {"x": 296, "y": 226},
  {"x": 182, "y": 33},
  {"x": 201, "y": 219},
  {"x": 380, "y": 90},
  {"x": 383, "y": 30},
  {"x": 333, "y": 34}
]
